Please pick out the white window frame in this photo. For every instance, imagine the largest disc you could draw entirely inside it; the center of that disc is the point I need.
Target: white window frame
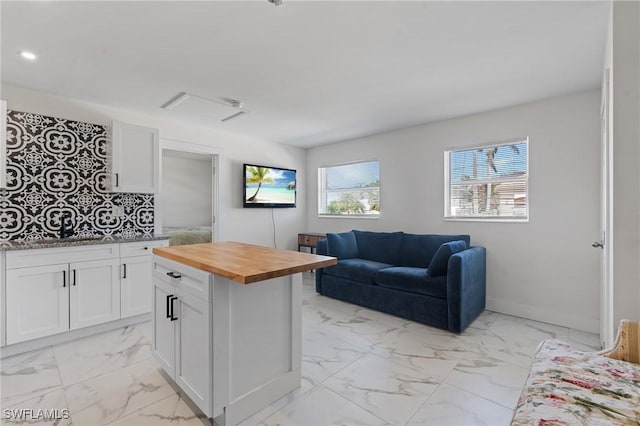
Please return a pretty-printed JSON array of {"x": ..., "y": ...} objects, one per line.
[
  {"x": 447, "y": 183},
  {"x": 322, "y": 181}
]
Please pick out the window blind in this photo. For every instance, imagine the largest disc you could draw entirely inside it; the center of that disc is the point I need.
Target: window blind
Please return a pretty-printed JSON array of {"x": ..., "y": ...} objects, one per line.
[{"x": 489, "y": 181}]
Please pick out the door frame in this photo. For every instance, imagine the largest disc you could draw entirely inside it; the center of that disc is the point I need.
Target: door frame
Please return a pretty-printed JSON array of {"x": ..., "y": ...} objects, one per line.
[
  {"x": 606, "y": 215},
  {"x": 217, "y": 155}
]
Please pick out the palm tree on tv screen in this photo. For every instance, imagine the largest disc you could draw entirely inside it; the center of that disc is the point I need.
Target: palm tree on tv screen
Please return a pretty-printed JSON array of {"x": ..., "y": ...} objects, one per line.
[{"x": 259, "y": 176}]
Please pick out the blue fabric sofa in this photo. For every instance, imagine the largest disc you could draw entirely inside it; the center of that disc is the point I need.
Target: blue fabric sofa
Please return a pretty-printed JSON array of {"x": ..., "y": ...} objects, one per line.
[{"x": 437, "y": 280}]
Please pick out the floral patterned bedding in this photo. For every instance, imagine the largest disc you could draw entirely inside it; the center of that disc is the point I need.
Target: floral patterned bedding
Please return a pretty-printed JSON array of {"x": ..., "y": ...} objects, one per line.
[{"x": 569, "y": 387}]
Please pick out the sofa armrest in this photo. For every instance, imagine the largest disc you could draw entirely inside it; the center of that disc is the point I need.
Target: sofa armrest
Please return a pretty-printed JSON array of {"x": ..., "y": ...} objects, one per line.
[
  {"x": 466, "y": 287},
  {"x": 322, "y": 247}
]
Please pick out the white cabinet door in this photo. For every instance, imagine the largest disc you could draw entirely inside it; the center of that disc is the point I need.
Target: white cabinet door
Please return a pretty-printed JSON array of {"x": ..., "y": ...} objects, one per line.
[
  {"x": 164, "y": 339},
  {"x": 3, "y": 144},
  {"x": 135, "y": 159},
  {"x": 39, "y": 302},
  {"x": 135, "y": 286},
  {"x": 94, "y": 292},
  {"x": 193, "y": 349}
]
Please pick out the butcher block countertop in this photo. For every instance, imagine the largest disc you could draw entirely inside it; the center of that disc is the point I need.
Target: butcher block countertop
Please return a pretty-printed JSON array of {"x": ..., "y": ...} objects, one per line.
[{"x": 244, "y": 263}]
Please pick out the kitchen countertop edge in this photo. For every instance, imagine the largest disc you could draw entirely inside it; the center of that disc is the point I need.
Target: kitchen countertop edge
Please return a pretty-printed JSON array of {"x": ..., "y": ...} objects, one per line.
[
  {"x": 21, "y": 245},
  {"x": 219, "y": 263}
]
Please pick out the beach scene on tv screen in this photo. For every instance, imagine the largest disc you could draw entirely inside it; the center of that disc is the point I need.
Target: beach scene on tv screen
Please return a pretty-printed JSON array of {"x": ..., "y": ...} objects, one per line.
[{"x": 265, "y": 185}]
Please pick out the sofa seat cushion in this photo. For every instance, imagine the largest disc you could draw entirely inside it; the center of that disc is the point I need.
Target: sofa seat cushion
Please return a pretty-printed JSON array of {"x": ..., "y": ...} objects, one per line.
[
  {"x": 361, "y": 270},
  {"x": 411, "y": 279}
]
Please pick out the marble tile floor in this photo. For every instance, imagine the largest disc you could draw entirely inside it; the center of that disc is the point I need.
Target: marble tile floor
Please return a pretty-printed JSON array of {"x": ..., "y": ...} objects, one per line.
[{"x": 360, "y": 367}]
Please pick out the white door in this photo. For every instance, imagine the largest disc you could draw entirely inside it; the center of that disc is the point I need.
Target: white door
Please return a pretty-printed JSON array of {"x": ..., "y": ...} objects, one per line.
[
  {"x": 164, "y": 335},
  {"x": 135, "y": 159},
  {"x": 94, "y": 292},
  {"x": 135, "y": 285},
  {"x": 193, "y": 349},
  {"x": 39, "y": 302},
  {"x": 605, "y": 243}
]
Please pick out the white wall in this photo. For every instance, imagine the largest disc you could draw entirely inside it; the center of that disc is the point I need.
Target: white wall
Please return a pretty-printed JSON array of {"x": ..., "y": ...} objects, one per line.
[
  {"x": 245, "y": 225},
  {"x": 186, "y": 190},
  {"x": 545, "y": 269}
]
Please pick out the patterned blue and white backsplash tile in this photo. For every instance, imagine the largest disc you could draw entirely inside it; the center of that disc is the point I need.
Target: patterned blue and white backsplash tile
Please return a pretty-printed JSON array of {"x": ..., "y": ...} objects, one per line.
[{"x": 58, "y": 167}]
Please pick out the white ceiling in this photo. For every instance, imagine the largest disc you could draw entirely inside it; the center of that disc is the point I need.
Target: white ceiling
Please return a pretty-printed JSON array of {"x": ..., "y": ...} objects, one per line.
[{"x": 309, "y": 73}]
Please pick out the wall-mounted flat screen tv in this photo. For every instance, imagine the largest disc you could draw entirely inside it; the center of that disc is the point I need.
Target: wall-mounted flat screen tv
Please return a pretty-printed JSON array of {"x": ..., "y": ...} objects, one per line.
[{"x": 268, "y": 186}]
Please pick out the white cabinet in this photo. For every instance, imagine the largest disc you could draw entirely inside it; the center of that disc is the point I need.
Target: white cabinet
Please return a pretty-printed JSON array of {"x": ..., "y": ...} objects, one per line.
[
  {"x": 38, "y": 302},
  {"x": 3, "y": 144},
  {"x": 164, "y": 336},
  {"x": 193, "y": 348},
  {"x": 54, "y": 290},
  {"x": 232, "y": 349},
  {"x": 94, "y": 292},
  {"x": 135, "y": 286},
  {"x": 182, "y": 341},
  {"x": 135, "y": 159},
  {"x": 58, "y": 255},
  {"x": 135, "y": 281},
  {"x": 51, "y": 299}
]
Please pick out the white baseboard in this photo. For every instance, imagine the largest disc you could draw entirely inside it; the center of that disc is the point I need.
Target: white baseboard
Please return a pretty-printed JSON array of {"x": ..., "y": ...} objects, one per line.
[
  {"x": 67, "y": 336},
  {"x": 544, "y": 315}
]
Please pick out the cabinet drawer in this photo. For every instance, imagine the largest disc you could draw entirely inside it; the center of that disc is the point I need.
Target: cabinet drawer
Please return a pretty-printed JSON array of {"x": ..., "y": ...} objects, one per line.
[
  {"x": 52, "y": 256},
  {"x": 141, "y": 248},
  {"x": 190, "y": 280},
  {"x": 309, "y": 240}
]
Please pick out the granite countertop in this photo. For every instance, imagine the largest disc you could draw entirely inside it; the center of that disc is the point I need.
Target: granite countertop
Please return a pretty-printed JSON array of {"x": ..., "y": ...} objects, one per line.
[{"x": 72, "y": 241}]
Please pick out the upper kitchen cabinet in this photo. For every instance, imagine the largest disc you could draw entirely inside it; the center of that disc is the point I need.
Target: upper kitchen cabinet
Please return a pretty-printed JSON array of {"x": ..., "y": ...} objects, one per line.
[
  {"x": 3, "y": 144},
  {"x": 135, "y": 159}
]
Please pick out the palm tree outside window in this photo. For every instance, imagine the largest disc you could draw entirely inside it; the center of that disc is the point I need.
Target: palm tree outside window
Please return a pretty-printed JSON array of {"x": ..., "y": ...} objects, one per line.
[
  {"x": 351, "y": 189},
  {"x": 488, "y": 181}
]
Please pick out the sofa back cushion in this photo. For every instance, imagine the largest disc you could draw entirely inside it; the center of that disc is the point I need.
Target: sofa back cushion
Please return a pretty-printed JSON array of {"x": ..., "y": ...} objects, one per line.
[
  {"x": 379, "y": 246},
  {"x": 343, "y": 246},
  {"x": 418, "y": 250},
  {"x": 440, "y": 262}
]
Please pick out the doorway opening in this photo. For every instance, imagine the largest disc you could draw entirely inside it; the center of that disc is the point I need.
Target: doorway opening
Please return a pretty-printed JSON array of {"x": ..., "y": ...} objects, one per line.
[{"x": 187, "y": 206}]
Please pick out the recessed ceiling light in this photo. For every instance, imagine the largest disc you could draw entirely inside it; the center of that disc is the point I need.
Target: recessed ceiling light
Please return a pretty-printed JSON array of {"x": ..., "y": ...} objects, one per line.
[{"x": 29, "y": 56}]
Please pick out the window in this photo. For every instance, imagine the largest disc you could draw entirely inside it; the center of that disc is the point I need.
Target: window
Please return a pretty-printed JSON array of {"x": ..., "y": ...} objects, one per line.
[
  {"x": 349, "y": 189},
  {"x": 488, "y": 182}
]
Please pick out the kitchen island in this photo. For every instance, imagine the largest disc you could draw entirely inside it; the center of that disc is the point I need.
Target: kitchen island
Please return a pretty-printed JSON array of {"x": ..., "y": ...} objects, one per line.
[{"x": 227, "y": 323}]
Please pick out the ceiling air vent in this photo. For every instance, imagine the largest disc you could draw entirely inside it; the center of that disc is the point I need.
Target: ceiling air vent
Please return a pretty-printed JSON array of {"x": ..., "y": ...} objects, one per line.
[{"x": 223, "y": 109}]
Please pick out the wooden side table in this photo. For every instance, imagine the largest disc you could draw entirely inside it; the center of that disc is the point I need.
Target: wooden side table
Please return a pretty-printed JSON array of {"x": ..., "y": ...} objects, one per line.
[{"x": 310, "y": 240}]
